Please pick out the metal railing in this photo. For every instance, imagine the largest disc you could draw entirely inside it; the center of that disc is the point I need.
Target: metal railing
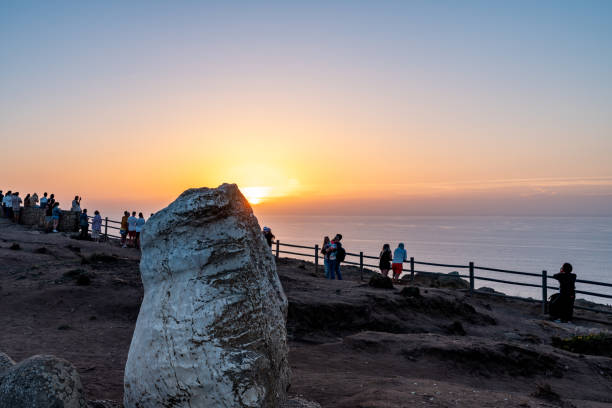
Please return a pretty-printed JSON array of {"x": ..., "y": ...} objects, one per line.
[
  {"x": 471, "y": 276},
  {"x": 470, "y": 267},
  {"x": 107, "y": 227}
]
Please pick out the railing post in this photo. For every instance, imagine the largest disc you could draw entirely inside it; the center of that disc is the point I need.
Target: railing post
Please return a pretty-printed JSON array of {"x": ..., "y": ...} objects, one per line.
[
  {"x": 277, "y": 248},
  {"x": 316, "y": 258},
  {"x": 544, "y": 291},
  {"x": 361, "y": 264},
  {"x": 471, "y": 278},
  {"x": 106, "y": 227},
  {"x": 412, "y": 269}
]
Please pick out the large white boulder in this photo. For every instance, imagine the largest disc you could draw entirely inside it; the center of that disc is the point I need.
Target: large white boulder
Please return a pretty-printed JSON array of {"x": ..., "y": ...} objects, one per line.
[{"x": 211, "y": 328}]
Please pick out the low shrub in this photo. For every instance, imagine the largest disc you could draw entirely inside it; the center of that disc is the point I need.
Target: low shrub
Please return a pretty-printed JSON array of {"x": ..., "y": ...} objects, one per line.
[{"x": 599, "y": 344}]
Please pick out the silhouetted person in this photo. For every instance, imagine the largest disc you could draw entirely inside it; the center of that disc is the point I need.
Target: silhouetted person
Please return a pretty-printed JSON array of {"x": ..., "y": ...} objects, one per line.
[
  {"x": 563, "y": 307},
  {"x": 336, "y": 256},
  {"x": 34, "y": 200},
  {"x": 132, "y": 221},
  {"x": 16, "y": 203},
  {"x": 43, "y": 201},
  {"x": 76, "y": 204},
  {"x": 96, "y": 226},
  {"x": 385, "y": 260},
  {"x": 124, "y": 228},
  {"x": 324, "y": 251},
  {"x": 84, "y": 224},
  {"x": 268, "y": 235},
  {"x": 140, "y": 222},
  {"x": 55, "y": 214}
]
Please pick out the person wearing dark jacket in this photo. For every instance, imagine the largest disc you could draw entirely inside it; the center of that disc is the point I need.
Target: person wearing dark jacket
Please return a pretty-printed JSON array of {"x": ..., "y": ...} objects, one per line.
[
  {"x": 563, "y": 307},
  {"x": 268, "y": 235},
  {"x": 84, "y": 224},
  {"x": 385, "y": 260}
]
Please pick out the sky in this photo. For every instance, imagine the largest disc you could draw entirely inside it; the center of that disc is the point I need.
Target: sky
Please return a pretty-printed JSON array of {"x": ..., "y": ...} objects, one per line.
[{"x": 390, "y": 107}]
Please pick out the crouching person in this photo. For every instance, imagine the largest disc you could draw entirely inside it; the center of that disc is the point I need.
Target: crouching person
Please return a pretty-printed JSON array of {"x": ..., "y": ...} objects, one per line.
[{"x": 562, "y": 305}]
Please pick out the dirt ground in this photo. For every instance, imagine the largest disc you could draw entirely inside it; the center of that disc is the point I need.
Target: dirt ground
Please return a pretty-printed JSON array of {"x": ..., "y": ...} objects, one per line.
[{"x": 351, "y": 345}]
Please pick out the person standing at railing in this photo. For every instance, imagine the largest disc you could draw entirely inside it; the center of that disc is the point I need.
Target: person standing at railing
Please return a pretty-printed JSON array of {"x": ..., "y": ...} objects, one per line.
[
  {"x": 55, "y": 214},
  {"x": 84, "y": 224},
  {"x": 385, "y": 260},
  {"x": 124, "y": 228},
  {"x": 96, "y": 226},
  {"x": 6, "y": 204},
  {"x": 268, "y": 235},
  {"x": 16, "y": 203},
  {"x": 132, "y": 221},
  {"x": 51, "y": 201},
  {"x": 140, "y": 222},
  {"x": 399, "y": 257},
  {"x": 563, "y": 306},
  {"x": 324, "y": 251},
  {"x": 26, "y": 201},
  {"x": 34, "y": 200},
  {"x": 336, "y": 256},
  {"x": 43, "y": 201}
]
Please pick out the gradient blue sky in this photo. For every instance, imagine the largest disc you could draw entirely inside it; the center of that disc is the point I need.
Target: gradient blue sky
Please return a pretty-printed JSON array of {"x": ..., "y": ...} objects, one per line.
[{"x": 410, "y": 105}]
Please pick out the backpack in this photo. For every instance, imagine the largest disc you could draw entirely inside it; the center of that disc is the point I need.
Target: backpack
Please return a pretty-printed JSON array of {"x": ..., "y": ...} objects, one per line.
[{"x": 340, "y": 253}]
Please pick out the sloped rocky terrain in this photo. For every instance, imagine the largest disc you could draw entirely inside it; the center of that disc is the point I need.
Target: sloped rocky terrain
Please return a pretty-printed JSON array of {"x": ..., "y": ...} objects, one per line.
[{"x": 351, "y": 345}]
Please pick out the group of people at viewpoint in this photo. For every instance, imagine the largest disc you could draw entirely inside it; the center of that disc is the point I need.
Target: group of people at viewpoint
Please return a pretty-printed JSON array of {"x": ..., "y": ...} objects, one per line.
[
  {"x": 11, "y": 207},
  {"x": 333, "y": 255},
  {"x": 130, "y": 225}
]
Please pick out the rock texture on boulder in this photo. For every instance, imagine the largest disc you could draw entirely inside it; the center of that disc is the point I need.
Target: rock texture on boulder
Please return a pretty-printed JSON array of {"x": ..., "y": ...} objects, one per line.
[
  {"x": 41, "y": 382},
  {"x": 211, "y": 328},
  {"x": 5, "y": 362}
]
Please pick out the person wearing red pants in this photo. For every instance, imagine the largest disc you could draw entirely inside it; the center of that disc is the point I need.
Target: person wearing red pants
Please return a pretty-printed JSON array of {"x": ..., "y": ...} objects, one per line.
[{"x": 399, "y": 257}]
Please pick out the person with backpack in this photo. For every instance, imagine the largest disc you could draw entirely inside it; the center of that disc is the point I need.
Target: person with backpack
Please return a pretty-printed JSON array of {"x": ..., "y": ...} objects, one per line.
[
  {"x": 324, "y": 252},
  {"x": 561, "y": 307},
  {"x": 399, "y": 257},
  {"x": 385, "y": 260},
  {"x": 336, "y": 256}
]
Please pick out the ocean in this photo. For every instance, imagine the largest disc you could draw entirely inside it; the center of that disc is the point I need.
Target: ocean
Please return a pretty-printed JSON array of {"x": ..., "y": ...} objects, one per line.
[{"x": 526, "y": 244}]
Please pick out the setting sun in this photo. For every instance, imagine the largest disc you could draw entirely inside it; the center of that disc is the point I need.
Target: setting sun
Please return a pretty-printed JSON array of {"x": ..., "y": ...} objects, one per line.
[{"x": 255, "y": 195}]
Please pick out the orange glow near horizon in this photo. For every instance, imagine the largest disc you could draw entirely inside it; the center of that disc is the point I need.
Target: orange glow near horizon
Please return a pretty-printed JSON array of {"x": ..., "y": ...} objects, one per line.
[
  {"x": 371, "y": 109},
  {"x": 255, "y": 195}
]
